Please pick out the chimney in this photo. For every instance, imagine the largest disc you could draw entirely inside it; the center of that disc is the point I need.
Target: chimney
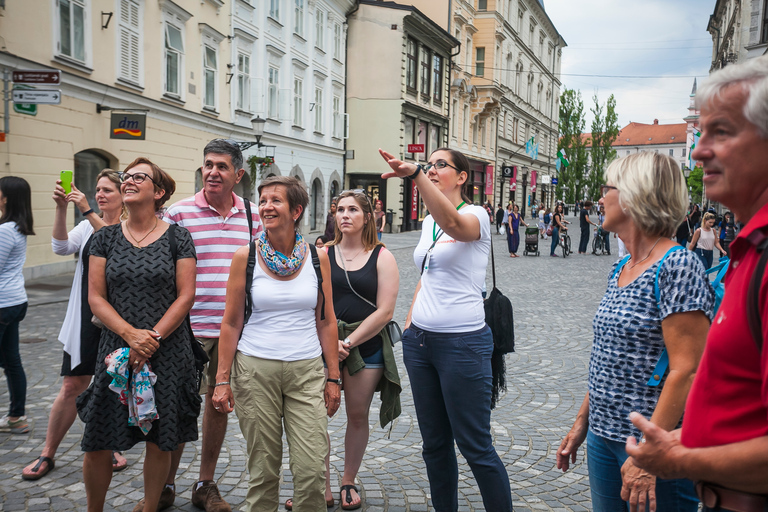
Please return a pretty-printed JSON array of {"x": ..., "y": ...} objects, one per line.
[{"x": 655, "y": 121}]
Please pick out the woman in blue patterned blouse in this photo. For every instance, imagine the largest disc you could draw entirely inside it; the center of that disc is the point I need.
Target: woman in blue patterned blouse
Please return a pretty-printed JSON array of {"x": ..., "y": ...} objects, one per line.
[{"x": 657, "y": 300}]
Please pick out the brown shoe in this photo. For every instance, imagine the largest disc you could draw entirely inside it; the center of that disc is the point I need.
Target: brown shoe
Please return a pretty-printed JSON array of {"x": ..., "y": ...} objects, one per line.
[
  {"x": 208, "y": 498},
  {"x": 167, "y": 497}
]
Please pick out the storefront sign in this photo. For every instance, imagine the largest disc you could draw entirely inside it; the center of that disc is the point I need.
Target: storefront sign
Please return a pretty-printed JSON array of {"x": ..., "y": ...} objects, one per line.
[
  {"x": 513, "y": 180},
  {"x": 546, "y": 179},
  {"x": 489, "y": 180},
  {"x": 128, "y": 126},
  {"x": 506, "y": 171},
  {"x": 554, "y": 181},
  {"x": 415, "y": 148},
  {"x": 414, "y": 201}
]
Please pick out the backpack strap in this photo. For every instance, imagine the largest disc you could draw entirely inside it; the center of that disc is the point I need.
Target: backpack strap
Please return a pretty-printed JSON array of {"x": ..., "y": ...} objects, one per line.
[
  {"x": 250, "y": 266},
  {"x": 623, "y": 262},
  {"x": 319, "y": 273},
  {"x": 753, "y": 296},
  {"x": 249, "y": 216}
]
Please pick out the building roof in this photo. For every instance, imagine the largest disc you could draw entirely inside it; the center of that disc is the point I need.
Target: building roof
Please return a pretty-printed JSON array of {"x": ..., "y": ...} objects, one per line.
[{"x": 639, "y": 134}]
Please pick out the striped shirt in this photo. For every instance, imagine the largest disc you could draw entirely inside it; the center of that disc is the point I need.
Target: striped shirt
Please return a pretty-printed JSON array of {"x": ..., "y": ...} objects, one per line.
[
  {"x": 216, "y": 240},
  {"x": 13, "y": 253}
]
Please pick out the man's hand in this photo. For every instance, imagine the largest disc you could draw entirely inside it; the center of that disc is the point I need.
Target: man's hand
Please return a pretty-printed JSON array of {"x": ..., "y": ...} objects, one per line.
[
  {"x": 638, "y": 488},
  {"x": 660, "y": 453}
]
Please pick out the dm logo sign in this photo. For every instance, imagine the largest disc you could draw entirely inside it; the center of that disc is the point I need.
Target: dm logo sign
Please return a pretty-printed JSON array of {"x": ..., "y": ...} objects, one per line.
[{"x": 128, "y": 126}]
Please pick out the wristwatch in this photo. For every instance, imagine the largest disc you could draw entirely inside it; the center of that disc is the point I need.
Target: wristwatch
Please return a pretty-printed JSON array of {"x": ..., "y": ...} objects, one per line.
[
  {"x": 336, "y": 381},
  {"x": 347, "y": 342},
  {"x": 419, "y": 168}
]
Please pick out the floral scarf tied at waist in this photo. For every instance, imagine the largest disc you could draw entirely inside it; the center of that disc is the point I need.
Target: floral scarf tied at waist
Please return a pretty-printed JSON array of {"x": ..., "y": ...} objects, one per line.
[
  {"x": 279, "y": 263},
  {"x": 140, "y": 398}
]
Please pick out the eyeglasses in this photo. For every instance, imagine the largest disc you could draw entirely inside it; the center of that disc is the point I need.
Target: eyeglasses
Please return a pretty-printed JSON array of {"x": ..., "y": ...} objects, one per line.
[
  {"x": 137, "y": 177},
  {"x": 440, "y": 164},
  {"x": 604, "y": 189}
]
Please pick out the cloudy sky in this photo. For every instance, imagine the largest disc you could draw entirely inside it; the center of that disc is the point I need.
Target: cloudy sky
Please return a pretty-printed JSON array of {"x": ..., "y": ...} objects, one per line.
[{"x": 665, "y": 40}]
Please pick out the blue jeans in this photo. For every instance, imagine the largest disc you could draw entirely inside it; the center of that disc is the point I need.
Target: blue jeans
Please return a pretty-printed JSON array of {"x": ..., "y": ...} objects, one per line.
[
  {"x": 555, "y": 240},
  {"x": 10, "y": 359},
  {"x": 706, "y": 257},
  {"x": 378, "y": 235},
  {"x": 450, "y": 377},
  {"x": 604, "y": 461}
]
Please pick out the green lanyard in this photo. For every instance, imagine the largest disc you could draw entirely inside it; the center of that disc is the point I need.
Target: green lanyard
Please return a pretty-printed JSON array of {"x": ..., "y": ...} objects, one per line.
[{"x": 437, "y": 231}]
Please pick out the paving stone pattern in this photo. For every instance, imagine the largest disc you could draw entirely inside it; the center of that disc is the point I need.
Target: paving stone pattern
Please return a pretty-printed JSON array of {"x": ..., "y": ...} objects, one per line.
[{"x": 554, "y": 300}]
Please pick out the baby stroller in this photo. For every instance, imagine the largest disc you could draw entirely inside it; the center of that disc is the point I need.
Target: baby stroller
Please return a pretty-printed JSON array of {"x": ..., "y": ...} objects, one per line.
[{"x": 531, "y": 241}]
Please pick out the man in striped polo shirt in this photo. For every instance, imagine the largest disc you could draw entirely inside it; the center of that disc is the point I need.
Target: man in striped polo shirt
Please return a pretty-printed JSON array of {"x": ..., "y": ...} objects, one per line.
[{"x": 218, "y": 221}]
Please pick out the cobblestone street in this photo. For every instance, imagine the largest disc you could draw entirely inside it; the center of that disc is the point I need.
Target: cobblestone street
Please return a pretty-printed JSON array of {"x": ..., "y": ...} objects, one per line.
[{"x": 554, "y": 302}]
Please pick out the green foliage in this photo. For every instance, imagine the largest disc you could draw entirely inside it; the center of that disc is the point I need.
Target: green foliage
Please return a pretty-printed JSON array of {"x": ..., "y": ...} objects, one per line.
[
  {"x": 605, "y": 130},
  {"x": 571, "y": 179},
  {"x": 695, "y": 184},
  {"x": 257, "y": 166}
]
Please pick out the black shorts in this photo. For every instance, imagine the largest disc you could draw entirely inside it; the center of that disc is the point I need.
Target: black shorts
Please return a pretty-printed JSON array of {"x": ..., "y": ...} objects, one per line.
[{"x": 89, "y": 351}]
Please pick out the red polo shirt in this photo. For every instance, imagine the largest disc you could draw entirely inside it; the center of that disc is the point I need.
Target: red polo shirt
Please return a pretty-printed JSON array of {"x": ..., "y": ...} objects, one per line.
[{"x": 728, "y": 402}]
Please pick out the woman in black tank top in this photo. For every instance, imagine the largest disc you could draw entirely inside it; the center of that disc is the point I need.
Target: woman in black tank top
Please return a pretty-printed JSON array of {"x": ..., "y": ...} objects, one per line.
[{"x": 365, "y": 283}]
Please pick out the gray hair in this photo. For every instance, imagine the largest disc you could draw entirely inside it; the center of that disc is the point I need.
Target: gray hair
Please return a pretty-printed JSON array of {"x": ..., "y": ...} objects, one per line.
[
  {"x": 652, "y": 191},
  {"x": 752, "y": 75},
  {"x": 225, "y": 147}
]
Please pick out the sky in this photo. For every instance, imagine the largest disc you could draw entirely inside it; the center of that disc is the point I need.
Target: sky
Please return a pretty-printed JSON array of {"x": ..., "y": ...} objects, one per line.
[{"x": 665, "y": 40}]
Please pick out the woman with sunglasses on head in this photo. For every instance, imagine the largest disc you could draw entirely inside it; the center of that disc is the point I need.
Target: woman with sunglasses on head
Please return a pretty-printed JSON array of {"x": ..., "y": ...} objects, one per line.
[
  {"x": 141, "y": 286},
  {"x": 447, "y": 345},
  {"x": 79, "y": 335},
  {"x": 15, "y": 227}
]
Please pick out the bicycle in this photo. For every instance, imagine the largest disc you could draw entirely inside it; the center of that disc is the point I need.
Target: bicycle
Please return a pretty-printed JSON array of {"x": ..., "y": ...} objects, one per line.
[
  {"x": 565, "y": 242},
  {"x": 598, "y": 244}
]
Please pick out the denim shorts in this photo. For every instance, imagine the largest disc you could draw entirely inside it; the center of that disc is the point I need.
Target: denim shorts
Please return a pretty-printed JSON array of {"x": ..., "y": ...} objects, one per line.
[{"x": 375, "y": 360}]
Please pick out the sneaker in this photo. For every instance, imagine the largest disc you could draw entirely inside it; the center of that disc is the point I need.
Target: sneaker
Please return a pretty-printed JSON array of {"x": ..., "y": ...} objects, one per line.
[
  {"x": 19, "y": 426},
  {"x": 205, "y": 495},
  {"x": 167, "y": 498}
]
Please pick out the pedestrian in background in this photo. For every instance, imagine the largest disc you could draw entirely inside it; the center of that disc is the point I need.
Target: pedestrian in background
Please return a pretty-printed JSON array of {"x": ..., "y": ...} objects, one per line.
[
  {"x": 380, "y": 218},
  {"x": 78, "y": 334},
  {"x": 558, "y": 224},
  {"x": 142, "y": 294},
  {"x": 513, "y": 226},
  {"x": 330, "y": 221},
  {"x": 499, "y": 218},
  {"x": 16, "y": 224},
  {"x": 705, "y": 240},
  {"x": 585, "y": 223},
  {"x": 447, "y": 345},
  {"x": 644, "y": 198},
  {"x": 601, "y": 231},
  {"x": 547, "y": 218},
  {"x": 727, "y": 233}
]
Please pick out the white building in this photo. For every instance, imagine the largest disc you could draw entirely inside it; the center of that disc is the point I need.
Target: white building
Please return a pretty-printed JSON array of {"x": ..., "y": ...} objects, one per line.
[{"x": 739, "y": 30}]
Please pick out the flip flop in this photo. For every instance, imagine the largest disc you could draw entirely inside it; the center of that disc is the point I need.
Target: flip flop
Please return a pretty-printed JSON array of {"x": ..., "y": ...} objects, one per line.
[
  {"x": 37, "y": 473},
  {"x": 328, "y": 503},
  {"x": 348, "y": 498},
  {"x": 115, "y": 464}
]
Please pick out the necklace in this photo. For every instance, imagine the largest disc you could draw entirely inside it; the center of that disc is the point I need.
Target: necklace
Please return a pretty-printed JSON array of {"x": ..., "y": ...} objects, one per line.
[
  {"x": 436, "y": 230},
  {"x": 138, "y": 242},
  {"x": 353, "y": 257},
  {"x": 647, "y": 256}
]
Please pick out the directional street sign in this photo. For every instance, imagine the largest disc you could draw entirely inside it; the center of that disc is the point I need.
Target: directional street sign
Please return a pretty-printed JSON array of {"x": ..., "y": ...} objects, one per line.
[
  {"x": 554, "y": 181},
  {"x": 37, "y": 96},
  {"x": 37, "y": 76},
  {"x": 24, "y": 108}
]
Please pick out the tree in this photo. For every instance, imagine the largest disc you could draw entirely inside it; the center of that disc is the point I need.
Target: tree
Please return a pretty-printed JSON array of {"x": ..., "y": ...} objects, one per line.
[
  {"x": 605, "y": 131},
  {"x": 570, "y": 181},
  {"x": 695, "y": 185}
]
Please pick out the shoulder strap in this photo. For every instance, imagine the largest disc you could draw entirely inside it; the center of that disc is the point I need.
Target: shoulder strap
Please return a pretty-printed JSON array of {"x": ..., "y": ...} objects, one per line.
[
  {"x": 249, "y": 281},
  {"x": 656, "y": 290},
  {"x": 249, "y": 216},
  {"x": 623, "y": 262},
  {"x": 753, "y": 296},
  {"x": 426, "y": 255},
  {"x": 493, "y": 265},
  {"x": 319, "y": 273}
]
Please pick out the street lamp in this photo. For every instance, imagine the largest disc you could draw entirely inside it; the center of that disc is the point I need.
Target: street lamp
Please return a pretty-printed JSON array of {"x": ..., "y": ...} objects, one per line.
[{"x": 258, "y": 128}]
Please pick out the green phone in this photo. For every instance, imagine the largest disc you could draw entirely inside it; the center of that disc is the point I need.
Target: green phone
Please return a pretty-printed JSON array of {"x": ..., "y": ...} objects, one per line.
[{"x": 66, "y": 181}]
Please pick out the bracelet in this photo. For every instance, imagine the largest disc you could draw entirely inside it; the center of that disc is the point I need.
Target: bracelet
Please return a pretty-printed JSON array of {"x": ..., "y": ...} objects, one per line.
[
  {"x": 225, "y": 383},
  {"x": 416, "y": 172},
  {"x": 87, "y": 213}
]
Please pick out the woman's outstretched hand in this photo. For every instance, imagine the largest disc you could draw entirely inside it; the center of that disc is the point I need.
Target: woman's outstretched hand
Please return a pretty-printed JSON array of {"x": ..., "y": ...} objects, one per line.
[{"x": 400, "y": 169}]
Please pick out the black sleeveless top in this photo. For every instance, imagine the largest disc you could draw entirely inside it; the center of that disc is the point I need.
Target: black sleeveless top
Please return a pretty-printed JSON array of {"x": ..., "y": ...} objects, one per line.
[{"x": 348, "y": 306}]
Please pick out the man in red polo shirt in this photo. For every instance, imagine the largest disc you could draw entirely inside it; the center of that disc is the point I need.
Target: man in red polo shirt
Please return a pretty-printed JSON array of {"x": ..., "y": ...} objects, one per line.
[{"x": 723, "y": 444}]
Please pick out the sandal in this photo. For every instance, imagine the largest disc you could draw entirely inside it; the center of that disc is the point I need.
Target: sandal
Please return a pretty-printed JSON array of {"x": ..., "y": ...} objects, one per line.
[
  {"x": 328, "y": 503},
  {"x": 116, "y": 466},
  {"x": 346, "y": 499},
  {"x": 36, "y": 470}
]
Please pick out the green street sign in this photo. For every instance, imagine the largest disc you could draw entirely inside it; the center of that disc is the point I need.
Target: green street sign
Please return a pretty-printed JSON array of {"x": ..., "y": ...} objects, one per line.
[{"x": 29, "y": 109}]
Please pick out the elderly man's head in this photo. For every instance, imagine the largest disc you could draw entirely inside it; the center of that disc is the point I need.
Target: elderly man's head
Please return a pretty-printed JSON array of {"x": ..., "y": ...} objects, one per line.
[{"x": 734, "y": 136}]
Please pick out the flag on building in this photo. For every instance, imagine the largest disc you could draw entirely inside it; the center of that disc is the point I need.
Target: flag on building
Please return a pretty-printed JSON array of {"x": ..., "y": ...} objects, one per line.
[
  {"x": 696, "y": 136},
  {"x": 562, "y": 160}
]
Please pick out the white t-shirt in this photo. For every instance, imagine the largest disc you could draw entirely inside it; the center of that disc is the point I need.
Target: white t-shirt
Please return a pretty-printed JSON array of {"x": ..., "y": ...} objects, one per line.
[
  {"x": 450, "y": 298},
  {"x": 282, "y": 326}
]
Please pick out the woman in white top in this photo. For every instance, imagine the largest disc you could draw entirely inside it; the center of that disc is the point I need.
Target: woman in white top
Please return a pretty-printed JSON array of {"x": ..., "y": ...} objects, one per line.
[
  {"x": 78, "y": 334},
  {"x": 705, "y": 240},
  {"x": 277, "y": 377},
  {"x": 447, "y": 345}
]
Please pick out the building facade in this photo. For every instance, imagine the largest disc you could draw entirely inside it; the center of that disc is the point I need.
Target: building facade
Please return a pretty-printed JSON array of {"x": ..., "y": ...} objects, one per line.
[
  {"x": 739, "y": 30},
  {"x": 397, "y": 95},
  {"x": 189, "y": 72}
]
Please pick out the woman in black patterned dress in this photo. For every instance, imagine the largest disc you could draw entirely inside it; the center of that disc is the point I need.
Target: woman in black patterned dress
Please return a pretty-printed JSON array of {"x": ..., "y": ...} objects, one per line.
[{"x": 143, "y": 297}]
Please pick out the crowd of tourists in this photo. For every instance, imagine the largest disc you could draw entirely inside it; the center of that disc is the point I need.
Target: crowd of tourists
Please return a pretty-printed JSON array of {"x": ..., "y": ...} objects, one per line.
[{"x": 224, "y": 299}]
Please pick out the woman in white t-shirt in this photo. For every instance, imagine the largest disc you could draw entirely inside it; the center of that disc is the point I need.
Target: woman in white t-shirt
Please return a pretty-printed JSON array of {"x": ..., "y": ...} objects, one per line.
[{"x": 447, "y": 345}]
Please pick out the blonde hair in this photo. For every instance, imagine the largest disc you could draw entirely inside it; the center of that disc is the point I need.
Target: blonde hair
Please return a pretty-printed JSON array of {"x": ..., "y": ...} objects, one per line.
[
  {"x": 708, "y": 216},
  {"x": 652, "y": 191}
]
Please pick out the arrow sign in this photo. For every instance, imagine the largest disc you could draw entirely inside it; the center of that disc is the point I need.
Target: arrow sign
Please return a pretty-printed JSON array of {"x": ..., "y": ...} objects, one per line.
[
  {"x": 37, "y": 76},
  {"x": 37, "y": 96}
]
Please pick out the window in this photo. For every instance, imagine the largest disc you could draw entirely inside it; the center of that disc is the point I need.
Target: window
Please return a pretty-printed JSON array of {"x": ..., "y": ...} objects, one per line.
[
  {"x": 243, "y": 82},
  {"x": 174, "y": 54},
  {"x": 337, "y": 41},
  {"x": 683, "y": 154},
  {"x": 468, "y": 58},
  {"x": 337, "y": 117},
  {"x": 434, "y": 138},
  {"x": 298, "y": 17},
  {"x": 130, "y": 41},
  {"x": 466, "y": 123},
  {"x": 425, "y": 78},
  {"x": 209, "y": 76},
  {"x": 274, "y": 9},
  {"x": 519, "y": 79},
  {"x": 437, "y": 77},
  {"x": 480, "y": 61},
  {"x": 410, "y": 71},
  {"x": 541, "y": 46},
  {"x": 482, "y": 5},
  {"x": 455, "y": 120},
  {"x": 72, "y": 29},
  {"x": 530, "y": 33},
  {"x": 515, "y": 130},
  {"x": 520, "y": 21},
  {"x": 273, "y": 79},
  {"x": 530, "y": 88},
  {"x": 318, "y": 110},
  {"x": 319, "y": 27},
  {"x": 764, "y": 33},
  {"x": 483, "y": 132},
  {"x": 627, "y": 151},
  {"x": 298, "y": 101},
  {"x": 671, "y": 152}
]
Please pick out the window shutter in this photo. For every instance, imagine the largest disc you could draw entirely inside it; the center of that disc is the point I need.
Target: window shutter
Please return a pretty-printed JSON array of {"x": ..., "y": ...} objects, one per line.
[{"x": 130, "y": 54}]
